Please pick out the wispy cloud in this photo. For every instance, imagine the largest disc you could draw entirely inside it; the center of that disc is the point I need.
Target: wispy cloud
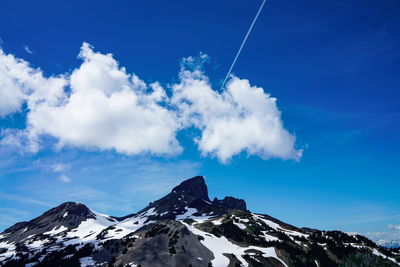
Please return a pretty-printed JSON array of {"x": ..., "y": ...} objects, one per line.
[
  {"x": 20, "y": 198},
  {"x": 9, "y": 216},
  {"x": 60, "y": 167},
  {"x": 86, "y": 193},
  {"x": 107, "y": 182},
  {"x": 14, "y": 211},
  {"x": 371, "y": 218},
  {"x": 27, "y": 49},
  {"x": 64, "y": 179},
  {"x": 7, "y": 220}
]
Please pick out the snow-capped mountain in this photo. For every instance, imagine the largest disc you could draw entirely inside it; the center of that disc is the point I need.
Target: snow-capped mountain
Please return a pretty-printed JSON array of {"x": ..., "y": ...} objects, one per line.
[
  {"x": 389, "y": 243},
  {"x": 184, "y": 228}
]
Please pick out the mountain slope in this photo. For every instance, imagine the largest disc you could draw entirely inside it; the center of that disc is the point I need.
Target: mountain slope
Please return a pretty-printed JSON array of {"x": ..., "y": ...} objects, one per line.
[{"x": 184, "y": 228}]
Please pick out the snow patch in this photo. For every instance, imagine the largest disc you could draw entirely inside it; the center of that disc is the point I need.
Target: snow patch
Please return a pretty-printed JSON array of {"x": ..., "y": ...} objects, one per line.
[
  {"x": 10, "y": 250},
  {"x": 271, "y": 224},
  {"x": 87, "y": 261},
  {"x": 377, "y": 253},
  {"x": 268, "y": 237},
  {"x": 221, "y": 245},
  {"x": 188, "y": 214},
  {"x": 240, "y": 225},
  {"x": 55, "y": 231},
  {"x": 277, "y": 227},
  {"x": 149, "y": 212},
  {"x": 37, "y": 244},
  {"x": 218, "y": 222}
]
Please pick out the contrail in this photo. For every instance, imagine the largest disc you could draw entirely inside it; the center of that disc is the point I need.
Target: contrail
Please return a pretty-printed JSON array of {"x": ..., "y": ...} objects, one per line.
[{"x": 243, "y": 42}]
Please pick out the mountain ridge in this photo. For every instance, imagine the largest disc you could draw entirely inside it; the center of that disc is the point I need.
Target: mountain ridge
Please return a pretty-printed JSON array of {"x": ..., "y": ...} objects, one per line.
[{"x": 183, "y": 228}]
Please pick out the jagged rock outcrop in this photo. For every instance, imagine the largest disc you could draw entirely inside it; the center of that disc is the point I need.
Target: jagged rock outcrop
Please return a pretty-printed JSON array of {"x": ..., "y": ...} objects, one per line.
[
  {"x": 195, "y": 187},
  {"x": 231, "y": 203}
]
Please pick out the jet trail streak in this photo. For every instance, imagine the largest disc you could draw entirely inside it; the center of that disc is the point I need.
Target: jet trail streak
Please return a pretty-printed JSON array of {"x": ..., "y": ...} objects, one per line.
[{"x": 243, "y": 42}]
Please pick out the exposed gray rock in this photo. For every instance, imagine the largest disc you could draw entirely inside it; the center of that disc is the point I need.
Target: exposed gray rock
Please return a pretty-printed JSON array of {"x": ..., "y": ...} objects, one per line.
[{"x": 171, "y": 245}]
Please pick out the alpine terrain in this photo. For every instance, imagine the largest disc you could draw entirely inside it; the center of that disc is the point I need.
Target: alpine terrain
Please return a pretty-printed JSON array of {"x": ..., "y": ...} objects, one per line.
[{"x": 184, "y": 228}]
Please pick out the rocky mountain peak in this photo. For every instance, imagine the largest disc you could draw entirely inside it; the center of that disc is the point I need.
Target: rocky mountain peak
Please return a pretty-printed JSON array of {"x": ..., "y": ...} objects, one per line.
[
  {"x": 68, "y": 215},
  {"x": 71, "y": 209},
  {"x": 195, "y": 187},
  {"x": 68, "y": 211}
]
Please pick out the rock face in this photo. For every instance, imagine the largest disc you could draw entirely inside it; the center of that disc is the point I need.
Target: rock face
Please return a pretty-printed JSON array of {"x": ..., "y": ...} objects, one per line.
[
  {"x": 231, "y": 203},
  {"x": 184, "y": 228},
  {"x": 195, "y": 187}
]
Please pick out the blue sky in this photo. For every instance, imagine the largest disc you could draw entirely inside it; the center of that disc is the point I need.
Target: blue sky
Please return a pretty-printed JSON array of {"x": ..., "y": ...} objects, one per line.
[{"x": 333, "y": 67}]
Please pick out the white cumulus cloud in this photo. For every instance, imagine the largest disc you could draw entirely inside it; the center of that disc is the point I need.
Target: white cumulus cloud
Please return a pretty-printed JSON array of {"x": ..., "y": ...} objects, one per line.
[
  {"x": 240, "y": 118},
  {"x": 108, "y": 109},
  {"x": 20, "y": 83},
  {"x": 99, "y": 105},
  {"x": 11, "y": 97}
]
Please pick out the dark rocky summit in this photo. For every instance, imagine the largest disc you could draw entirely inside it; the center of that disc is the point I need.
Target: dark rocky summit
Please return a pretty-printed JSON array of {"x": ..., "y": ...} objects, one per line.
[
  {"x": 195, "y": 187},
  {"x": 192, "y": 193},
  {"x": 184, "y": 228},
  {"x": 231, "y": 203},
  {"x": 68, "y": 215}
]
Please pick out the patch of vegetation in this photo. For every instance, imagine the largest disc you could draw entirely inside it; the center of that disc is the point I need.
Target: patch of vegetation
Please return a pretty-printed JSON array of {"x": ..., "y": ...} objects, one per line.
[
  {"x": 231, "y": 231},
  {"x": 189, "y": 221},
  {"x": 157, "y": 230},
  {"x": 103, "y": 233},
  {"x": 172, "y": 242}
]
